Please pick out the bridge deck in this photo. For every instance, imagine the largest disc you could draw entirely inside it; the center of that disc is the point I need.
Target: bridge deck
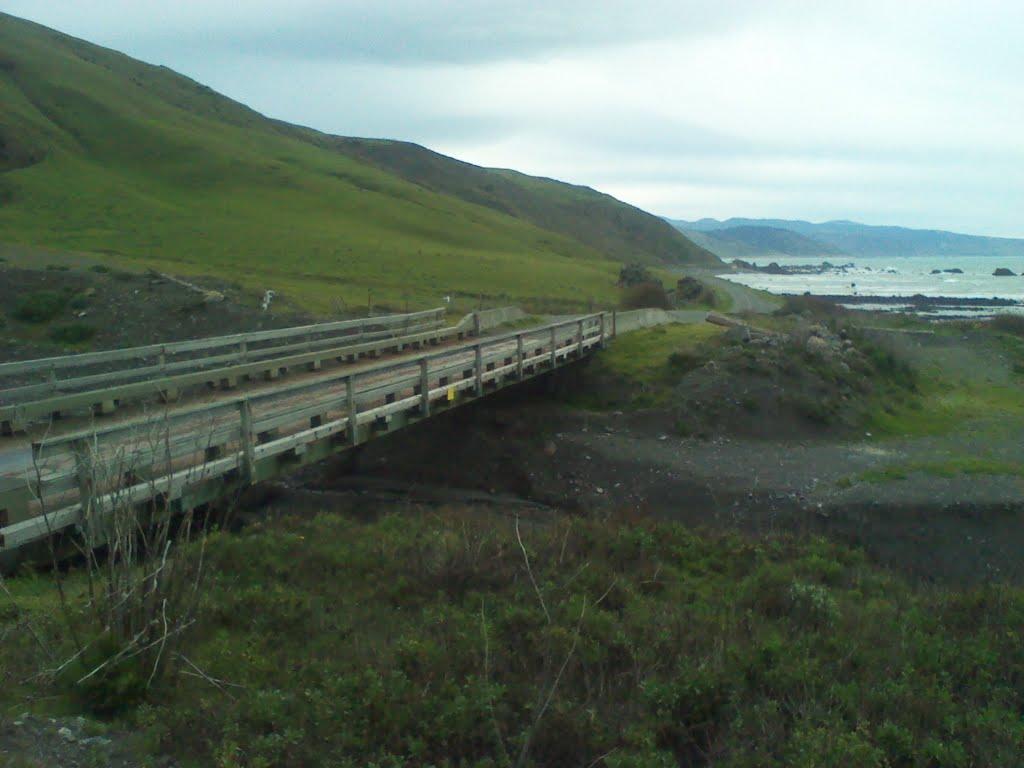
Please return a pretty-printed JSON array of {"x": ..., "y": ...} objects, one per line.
[{"x": 190, "y": 455}]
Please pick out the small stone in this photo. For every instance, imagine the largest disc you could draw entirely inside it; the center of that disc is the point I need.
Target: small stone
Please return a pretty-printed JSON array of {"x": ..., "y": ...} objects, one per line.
[{"x": 66, "y": 734}]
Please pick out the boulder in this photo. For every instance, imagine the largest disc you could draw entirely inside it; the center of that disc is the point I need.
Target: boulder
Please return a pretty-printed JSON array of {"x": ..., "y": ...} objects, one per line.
[{"x": 1003, "y": 272}]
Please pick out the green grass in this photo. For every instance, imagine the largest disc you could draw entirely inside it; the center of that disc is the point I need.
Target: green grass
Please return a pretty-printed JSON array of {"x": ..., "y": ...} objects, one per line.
[
  {"x": 944, "y": 405},
  {"x": 644, "y": 365},
  {"x": 419, "y": 639},
  {"x": 150, "y": 169},
  {"x": 948, "y": 468}
]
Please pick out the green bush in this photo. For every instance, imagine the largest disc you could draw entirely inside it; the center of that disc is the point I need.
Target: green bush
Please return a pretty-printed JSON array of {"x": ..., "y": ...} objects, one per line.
[
  {"x": 99, "y": 269},
  {"x": 1007, "y": 323},
  {"x": 645, "y": 295},
  {"x": 72, "y": 333},
  {"x": 41, "y": 306},
  {"x": 422, "y": 639}
]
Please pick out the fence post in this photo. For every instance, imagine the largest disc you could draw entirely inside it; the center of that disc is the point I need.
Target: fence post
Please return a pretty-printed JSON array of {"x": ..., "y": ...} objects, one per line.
[
  {"x": 476, "y": 323},
  {"x": 478, "y": 366},
  {"x": 579, "y": 341},
  {"x": 53, "y": 377},
  {"x": 519, "y": 356},
  {"x": 243, "y": 350},
  {"x": 248, "y": 443},
  {"x": 604, "y": 343},
  {"x": 615, "y": 330},
  {"x": 83, "y": 475},
  {"x": 350, "y": 398},
  {"x": 424, "y": 388},
  {"x": 554, "y": 348}
]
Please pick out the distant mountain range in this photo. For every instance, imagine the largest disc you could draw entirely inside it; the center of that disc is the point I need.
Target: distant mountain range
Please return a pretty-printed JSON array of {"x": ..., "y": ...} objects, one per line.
[{"x": 745, "y": 238}]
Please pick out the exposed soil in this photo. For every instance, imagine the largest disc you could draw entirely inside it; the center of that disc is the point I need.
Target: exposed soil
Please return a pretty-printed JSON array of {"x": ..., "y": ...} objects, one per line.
[
  {"x": 125, "y": 308},
  {"x": 526, "y": 446}
]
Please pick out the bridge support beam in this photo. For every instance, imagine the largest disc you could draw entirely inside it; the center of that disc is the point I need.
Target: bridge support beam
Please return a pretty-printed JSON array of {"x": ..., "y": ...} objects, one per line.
[{"x": 424, "y": 388}]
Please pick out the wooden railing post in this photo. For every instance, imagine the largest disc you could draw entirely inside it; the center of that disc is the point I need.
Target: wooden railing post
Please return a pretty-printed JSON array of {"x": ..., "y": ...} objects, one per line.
[
  {"x": 604, "y": 341},
  {"x": 83, "y": 476},
  {"x": 615, "y": 330},
  {"x": 243, "y": 350},
  {"x": 247, "y": 440},
  {"x": 476, "y": 323},
  {"x": 554, "y": 348},
  {"x": 478, "y": 369},
  {"x": 579, "y": 341},
  {"x": 350, "y": 404},
  {"x": 424, "y": 388},
  {"x": 519, "y": 356}
]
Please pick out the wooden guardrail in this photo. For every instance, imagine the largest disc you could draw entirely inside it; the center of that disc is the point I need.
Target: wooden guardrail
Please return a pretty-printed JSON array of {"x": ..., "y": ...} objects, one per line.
[
  {"x": 194, "y": 455},
  {"x": 164, "y": 376}
]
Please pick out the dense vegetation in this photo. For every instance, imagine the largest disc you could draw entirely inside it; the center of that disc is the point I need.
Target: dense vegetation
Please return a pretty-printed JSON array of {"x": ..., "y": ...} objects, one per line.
[
  {"x": 134, "y": 163},
  {"x": 437, "y": 639}
]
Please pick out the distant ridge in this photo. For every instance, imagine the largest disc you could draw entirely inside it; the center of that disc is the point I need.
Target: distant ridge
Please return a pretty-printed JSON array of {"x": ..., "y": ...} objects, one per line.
[
  {"x": 864, "y": 240},
  {"x": 749, "y": 241}
]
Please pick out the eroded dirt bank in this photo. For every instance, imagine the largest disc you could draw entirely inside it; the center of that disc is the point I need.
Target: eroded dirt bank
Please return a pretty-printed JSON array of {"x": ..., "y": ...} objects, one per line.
[{"x": 527, "y": 448}]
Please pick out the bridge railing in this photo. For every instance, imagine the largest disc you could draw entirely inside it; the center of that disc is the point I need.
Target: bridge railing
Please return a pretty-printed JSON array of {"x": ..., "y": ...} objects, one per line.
[
  {"x": 158, "y": 373},
  {"x": 252, "y": 438}
]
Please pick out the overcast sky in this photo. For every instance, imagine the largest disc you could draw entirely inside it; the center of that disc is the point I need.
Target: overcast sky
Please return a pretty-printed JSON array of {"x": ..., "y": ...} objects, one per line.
[{"x": 902, "y": 112}]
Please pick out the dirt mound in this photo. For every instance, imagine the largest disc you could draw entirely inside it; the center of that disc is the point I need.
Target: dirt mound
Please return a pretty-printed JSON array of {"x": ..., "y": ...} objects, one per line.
[
  {"x": 59, "y": 309},
  {"x": 813, "y": 380}
]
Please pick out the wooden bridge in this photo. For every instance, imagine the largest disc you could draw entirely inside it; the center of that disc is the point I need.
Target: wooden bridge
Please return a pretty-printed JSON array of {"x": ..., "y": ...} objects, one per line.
[{"x": 59, "y": 473}]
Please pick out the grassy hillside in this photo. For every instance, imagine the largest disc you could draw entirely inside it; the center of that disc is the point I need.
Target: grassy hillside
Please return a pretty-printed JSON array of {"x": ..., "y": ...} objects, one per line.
[
  {"x": 593, "y": 218},
  {"x": 104, "y": 154}
]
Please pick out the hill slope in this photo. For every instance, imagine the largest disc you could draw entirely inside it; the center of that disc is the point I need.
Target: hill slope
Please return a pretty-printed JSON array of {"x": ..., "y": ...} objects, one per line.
[
  {"x": 866, "y": 240},
  {"x": 744, "y": 242},
  {"x": 595, "y": 219},
  {"x": 105, "y": 154}
]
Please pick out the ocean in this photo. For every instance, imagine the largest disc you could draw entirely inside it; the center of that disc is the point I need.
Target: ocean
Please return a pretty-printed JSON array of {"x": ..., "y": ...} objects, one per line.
[{"x": 902, "y": 277}]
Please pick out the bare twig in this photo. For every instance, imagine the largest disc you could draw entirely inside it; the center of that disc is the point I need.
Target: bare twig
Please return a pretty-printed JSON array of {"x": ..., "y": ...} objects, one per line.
[
  {"x": 529, "y": 571},
  {"x": 524, "y": 751}
]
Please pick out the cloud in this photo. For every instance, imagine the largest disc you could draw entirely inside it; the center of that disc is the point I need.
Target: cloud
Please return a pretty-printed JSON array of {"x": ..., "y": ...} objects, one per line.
[{"x": 888, "y": 112}]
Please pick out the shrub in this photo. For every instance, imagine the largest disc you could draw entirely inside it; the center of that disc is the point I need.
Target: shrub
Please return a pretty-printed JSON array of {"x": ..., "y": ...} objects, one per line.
[
  {"x": 809, "y": 305},
  {"x": 40, "y": 306},
  {"x": 645, "y": 295},
  {"x": 99, "y": 269},
  {"x": 79, "y": 302},
  {"x": 690, "y": 290},
  {"x": 57, "y": 267},
  {"x": 634, "y": 274},
  {"x": 1013, "y": 324},
  {"x": 72, "y": 333}
]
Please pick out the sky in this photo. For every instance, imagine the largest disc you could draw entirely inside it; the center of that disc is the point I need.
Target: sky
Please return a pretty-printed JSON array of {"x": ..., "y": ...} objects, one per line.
[{"x": 902, "y": 112}]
